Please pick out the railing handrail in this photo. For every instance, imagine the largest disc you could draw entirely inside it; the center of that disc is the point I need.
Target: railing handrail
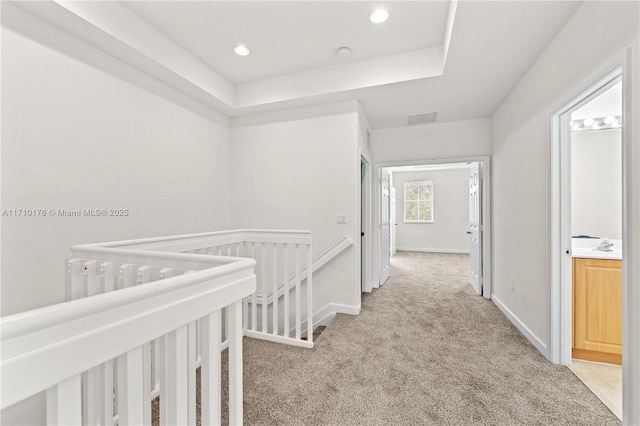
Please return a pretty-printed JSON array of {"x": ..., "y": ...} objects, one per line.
[
  {"x": 29, "y": 321},
  {"x": 37, "y": 344},
  {"x": 152, "y": 257},
  {"x": 150, "y": 242}
]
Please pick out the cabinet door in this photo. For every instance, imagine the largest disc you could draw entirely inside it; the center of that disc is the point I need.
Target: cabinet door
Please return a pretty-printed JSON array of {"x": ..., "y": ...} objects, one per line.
[{"x": 597, "y": 309}]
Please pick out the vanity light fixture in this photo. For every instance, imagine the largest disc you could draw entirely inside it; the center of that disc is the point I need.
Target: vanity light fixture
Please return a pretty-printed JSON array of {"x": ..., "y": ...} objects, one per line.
[
  {"x": 378, "y": 16},
  {"x": 241, "y": 50},
  {"x": 588, "y": 122},
  {"x": 596, "y": 123}
]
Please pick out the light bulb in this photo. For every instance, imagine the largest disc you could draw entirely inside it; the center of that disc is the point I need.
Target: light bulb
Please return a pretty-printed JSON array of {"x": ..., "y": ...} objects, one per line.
[
  {"x": 378, "y": 16},
  {"x": 241, "y": 50}
]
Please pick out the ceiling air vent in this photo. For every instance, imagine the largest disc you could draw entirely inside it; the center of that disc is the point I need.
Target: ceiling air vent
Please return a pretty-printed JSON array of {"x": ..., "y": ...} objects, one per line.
[{"x": 429, "y": 117}]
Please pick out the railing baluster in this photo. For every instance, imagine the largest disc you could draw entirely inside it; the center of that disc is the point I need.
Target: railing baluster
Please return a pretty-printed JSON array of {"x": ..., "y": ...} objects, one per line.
[
  {"x": 234, "y": 333},
  {"x": 74, "y": 279},
  {"x": 143, "y": 276},
  {"x": 91, "y": 396},
  {"x": 191, "y": 372},
  {"x": 125, "y": 278},
  {"x": 90, "y": 278},
  {"x": 106, "y": 394},
  {"x": 285, "y": 306},
  {"x": 245, "y": 301},
  {"x": 91, "y": 383},
  {"x": 274, "y": 290},
  {"x": 64, "y": 403},
  {"x": 146, "y": 383},
  {"x": 298, "y": 320},
  {"x": 130, "y": 388},
  {"x": 198, "y": 354},
  {"x": 210, "y": 379},
  {"x": 106, "y": 277},
  {"x": 174, "y": 389},
  {"x": 263, "y": 280},
  {"x": 156, "y": 346},
  {"x": 166, "y": 273},
  {"x": 309, "y": 294},
  {"x": 254, "y": 299}
]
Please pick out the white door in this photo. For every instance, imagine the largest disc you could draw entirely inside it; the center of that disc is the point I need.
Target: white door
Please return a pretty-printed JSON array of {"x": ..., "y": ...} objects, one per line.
[
  {"x": 392, "y": 220},
  {"x": 475, "y": 229},
  {"x": 385, "y": 234}
]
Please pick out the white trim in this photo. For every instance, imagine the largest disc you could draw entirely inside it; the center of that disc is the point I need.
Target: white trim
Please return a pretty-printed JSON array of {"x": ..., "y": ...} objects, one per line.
[
  {"x": 365, "y": 203},
  {"x": 325, "y": 315},
  {"x": 279, "y": 339},
  {"x": 560, "y": 212},
  {"x": 433, "y": 250},
  {"x": 485, "y": 164},
  {"x": 630, "y": 267},
  {"x": 530, "y": 335}
]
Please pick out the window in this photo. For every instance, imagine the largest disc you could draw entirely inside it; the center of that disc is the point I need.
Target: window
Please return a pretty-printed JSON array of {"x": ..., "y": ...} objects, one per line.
[{"x": 418, "y": 202}]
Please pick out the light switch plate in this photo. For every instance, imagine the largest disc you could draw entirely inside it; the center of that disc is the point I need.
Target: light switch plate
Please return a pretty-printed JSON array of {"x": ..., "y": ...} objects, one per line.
[{"x": 341, "y": 219}]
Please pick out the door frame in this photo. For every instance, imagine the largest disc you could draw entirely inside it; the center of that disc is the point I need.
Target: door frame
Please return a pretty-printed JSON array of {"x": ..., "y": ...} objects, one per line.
[
  {"x": 365, "y": 221},
  {"x": 561, "y": 272},
  {"x": 560, "y": 232},
  {"x": 485, "y": 169}
]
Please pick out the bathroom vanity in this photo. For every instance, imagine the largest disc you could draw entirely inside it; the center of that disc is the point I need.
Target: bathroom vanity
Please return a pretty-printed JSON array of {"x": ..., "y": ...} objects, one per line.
[{"x": 597, "y": 304}]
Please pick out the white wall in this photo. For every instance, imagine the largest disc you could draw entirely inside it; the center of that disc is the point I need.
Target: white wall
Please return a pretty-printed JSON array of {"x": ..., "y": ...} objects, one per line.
[
  {"x": 432, "y": 141},
  {"x": 75, "y": 137},
  {"x": 597, "y": 34},
  {"x": 596, "y": 183},
  {"x": 447, "y": 233},
  {"x": 299, "y": 174}
]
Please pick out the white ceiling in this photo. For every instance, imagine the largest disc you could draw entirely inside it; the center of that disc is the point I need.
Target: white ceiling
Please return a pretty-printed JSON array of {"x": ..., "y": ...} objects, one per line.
[
  {"x": 286, "y": 37},
  {"x": 457, "y": 58}
]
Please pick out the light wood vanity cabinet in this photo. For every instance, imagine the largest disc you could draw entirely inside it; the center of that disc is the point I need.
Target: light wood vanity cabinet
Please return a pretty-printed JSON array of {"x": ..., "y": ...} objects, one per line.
[{"x": 597, "y": 310}]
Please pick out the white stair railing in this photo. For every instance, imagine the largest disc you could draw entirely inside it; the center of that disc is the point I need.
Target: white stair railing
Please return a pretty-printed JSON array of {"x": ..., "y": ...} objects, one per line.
[
  {"x": 81, "y": 351},
  {"x": 277, "y": 253}
]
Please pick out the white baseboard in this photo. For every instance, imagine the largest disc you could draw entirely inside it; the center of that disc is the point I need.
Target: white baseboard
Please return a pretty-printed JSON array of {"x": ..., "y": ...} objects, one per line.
[
  {"x": 433, "y": 250},
  {"x": 535, "y": 340},
  {"x": 325, "y": 315}
]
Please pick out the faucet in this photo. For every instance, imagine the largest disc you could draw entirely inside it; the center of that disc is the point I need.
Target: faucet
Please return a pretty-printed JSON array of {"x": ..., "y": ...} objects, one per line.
[{"x": 605, "y": 245}]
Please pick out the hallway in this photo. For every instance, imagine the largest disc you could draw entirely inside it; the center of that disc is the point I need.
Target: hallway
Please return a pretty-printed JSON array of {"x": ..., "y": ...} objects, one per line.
[{"x": 424, "y": 350}]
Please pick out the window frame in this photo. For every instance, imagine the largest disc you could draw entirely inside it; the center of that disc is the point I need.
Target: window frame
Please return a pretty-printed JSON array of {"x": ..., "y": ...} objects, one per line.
[{"x": 418, "y": 201}]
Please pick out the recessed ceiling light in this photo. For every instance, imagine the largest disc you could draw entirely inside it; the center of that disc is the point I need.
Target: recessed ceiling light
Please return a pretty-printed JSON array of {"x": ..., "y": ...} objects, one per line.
[
  {"x": 378, "y": 16},
  {"x": 241, "y": 50}
]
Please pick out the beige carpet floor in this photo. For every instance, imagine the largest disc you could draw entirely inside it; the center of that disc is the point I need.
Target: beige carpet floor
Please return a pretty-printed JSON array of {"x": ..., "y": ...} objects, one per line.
[{"x": 424, "y": 351}]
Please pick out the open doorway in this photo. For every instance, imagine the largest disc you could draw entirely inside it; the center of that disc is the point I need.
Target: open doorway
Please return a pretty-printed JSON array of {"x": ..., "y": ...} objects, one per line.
[
  {"x": 433, "y": 213},
  {"x": 588, "y": 234}
]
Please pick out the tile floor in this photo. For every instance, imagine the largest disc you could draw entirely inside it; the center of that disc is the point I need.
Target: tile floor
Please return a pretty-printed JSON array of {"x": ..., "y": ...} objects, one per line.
[{"x": 604, "y": 380}]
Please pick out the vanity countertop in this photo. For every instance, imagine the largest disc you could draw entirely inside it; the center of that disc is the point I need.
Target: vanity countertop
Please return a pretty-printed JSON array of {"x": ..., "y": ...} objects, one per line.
[{"x": 584, "y": 248}]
